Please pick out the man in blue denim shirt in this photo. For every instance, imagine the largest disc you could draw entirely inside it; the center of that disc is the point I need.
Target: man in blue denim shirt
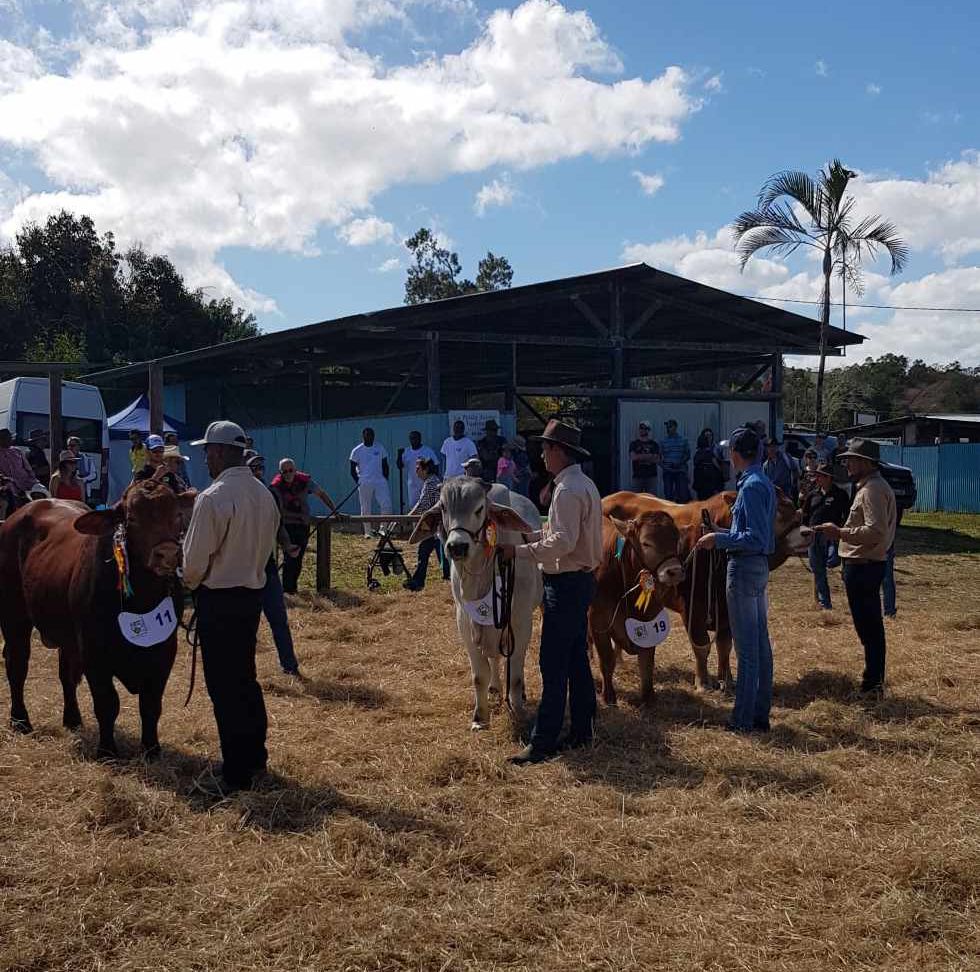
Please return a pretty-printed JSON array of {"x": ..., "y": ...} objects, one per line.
[
  {"x": 749, "y": 542},
  {"x": 675, "y": 452}
]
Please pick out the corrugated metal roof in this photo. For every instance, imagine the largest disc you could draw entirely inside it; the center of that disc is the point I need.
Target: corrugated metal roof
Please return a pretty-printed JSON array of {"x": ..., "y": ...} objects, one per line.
[{"x": 968, "y": 417}]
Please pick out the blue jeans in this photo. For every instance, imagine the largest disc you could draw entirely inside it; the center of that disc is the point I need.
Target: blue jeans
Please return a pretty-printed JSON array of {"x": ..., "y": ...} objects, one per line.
[
  {"x": 748, "y": 609},
  {"x": 565, "y": 671},
  {"x": 427, "y": 547},
  {"x": 676, "y": 487},
  {"x": 819, "y": 551},
  {"x": 274, "y": 609},
  {"x": 888, "y": 584}
]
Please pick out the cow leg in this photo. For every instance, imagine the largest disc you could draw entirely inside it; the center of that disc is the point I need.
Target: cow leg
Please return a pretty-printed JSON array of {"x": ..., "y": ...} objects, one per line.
[
  {"x": 480, "y": 667},
  {"x": 606, "y": 651},
  {"x": 723, "y": 643},
  {"x": 515, "y": 688},
  {"x": 151, "y": 705},
  {"x": 496, "y": 690},
  {"x": 702, "y": 681},
  {"x": 106, "y": 702},
  {"x": 68, "y": 672},
  {"x": 17, "y": 656},
  {"x": 645, "y": 659}
]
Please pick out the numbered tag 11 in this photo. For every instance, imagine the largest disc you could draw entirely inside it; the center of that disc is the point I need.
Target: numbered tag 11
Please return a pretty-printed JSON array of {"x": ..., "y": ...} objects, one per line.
[
  {"x": 648, "y": 634},
  {"x": 147, "y": 630}
]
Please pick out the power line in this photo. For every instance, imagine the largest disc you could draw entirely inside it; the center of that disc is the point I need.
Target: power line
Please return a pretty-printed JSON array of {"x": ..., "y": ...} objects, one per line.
[{"x": 837, "y": 303}]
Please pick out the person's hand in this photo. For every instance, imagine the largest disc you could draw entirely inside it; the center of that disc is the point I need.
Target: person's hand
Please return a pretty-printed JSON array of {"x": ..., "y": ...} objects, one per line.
[
  {"x": 708, "y": 542},
  {"x": 506, "y": 551},
  {"x": 830, "y": 530}
]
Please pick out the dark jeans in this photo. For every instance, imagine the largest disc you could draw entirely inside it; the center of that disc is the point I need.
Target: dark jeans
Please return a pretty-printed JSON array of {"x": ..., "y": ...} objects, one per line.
[
  {"x": 676, "y": 487},
  {"x": 299, "y": 534},
  {"x": 428, "y": 547},
  {"x": 447, "y": 564},
  {"x": 274, "y": 609},
  {"x": 888, "y": 592},
  {"x": 645, "y": 484},
  {"x": 818, "y": 564},
  {"x": 227, "y": 622},
  {"x": 863, "y": 585},
  {"x": 565, "y": 671}
]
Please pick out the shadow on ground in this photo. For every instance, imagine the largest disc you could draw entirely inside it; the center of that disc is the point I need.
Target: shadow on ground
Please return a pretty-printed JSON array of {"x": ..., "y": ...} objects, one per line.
[{"x": 914, "y": 540}]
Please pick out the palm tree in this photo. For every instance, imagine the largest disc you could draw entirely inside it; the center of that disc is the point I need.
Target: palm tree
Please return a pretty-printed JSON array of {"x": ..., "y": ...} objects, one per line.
[{"x": 777, "y": 225}]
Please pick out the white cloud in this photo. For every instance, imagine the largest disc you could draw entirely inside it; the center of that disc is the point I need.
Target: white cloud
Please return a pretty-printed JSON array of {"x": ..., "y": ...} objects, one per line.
[
  {"x": 195, "y": 125},
  {"x": 389, "y": 266},
  {"x": 713, "y": 84},
  {"x": 873, "y": 89},
  {"x": 364, "y": 232},
  {"x": 651, "y": 183},
  {"x": 821, "y": 68},
  {"x": 499, "y": 192}
]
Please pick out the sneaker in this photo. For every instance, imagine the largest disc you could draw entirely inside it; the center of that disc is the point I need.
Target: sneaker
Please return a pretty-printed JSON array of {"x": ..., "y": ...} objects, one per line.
[
  {"x": 738, "y": 730},
  {"x": 530, "y": 754},
  {"x": 575, "y": 741}
]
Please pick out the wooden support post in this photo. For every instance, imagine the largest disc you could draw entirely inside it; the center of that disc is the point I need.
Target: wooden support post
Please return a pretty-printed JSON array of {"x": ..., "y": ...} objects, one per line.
[
  {"x": 432, "y": 371},
  {"x": 776, "y": 405},
  {"x": 323, "y": 535},
  {"x": 314, "y": 397},
  {"x": 156, "y": 397},
  {"x": 56, "y": 441}
]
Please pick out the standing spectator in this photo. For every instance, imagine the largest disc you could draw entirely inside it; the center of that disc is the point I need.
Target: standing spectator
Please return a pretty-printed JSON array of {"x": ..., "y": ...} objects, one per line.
[
  {"x": 154, "y": 459},
  {"x": 37, "y": 442},
  {"x": 294, "y": 489},
  {"x": 864, "y": 541},
  {"x": 408, "y": 462},
  {"x": 749, "y": 541},
  {"x": 489, "y": 450},
  {"x": 369, "y": 469},
  {"x": 824, "y": 447},
  {"x": 567, "y": 553},
  {"x": 506, "y": 467},
  {"x": 825, "y": 503},
  {"x": 169, "y": 471},
  {"x": 171, "y": 439},
  {"x": 228, "y": 543},
  {"x": 675, "y": 452},
  {"x": 709, "y": 467},
  {"x": 781, "y": 469},
  {"x": 16, "y": 470},
  {"x": 137, "y": 451},
  {"x": 644, "y": 457},
  {"x": 522, "y": 465},
  {"x": 457, "y": 448},
  {"x": 86, "y": 470},
  {"x": 65, "y": 483},
  {"x": 808, "y": 475},
  {"x": 273, "y": 600},
  {"x": 428, "y": 473}
]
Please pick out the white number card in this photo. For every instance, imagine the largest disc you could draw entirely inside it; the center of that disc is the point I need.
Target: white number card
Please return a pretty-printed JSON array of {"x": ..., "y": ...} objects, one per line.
[
  {"x": 147, "y": 630},
  {"x": 648, "y": 634},
  {"x": 481, "y": 612}
]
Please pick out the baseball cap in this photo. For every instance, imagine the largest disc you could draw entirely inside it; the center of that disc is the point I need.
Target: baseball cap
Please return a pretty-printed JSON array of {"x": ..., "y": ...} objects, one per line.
[
  {"x": 154, "y": 442},
  {"x": 223, "y": 433},
  {"x": 255, "y": 460}
]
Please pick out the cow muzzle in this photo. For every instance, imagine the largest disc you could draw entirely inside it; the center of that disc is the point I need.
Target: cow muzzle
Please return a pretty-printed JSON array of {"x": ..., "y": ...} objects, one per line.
[
  {"x": 165, "y": 558},
  {"x": 458, "y": 549},
  {"x": 799, "y": 540},
  {"x": 671, "y": 572}
]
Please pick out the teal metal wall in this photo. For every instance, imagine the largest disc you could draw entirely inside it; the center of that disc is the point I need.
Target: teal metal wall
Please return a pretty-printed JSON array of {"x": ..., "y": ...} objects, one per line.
[
  {"x": 947, "y": 477},
  {"x": 323, "y": 448}
]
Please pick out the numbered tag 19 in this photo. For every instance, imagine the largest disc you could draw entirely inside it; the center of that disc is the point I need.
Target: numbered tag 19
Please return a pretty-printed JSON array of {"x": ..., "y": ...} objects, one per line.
[
  {"x": 648, "y": 634},
  {"x": 147, "y": 630}
]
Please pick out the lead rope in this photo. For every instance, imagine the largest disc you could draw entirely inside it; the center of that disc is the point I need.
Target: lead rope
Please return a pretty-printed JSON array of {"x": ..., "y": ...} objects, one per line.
[
  {"x": 502, "y": 602},
  {"x": 193, "y": 639}
]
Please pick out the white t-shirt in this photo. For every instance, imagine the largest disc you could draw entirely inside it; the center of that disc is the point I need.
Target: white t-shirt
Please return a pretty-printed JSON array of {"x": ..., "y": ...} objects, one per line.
[
  {"x": 457, "y": 451},
  {"x": 368, "y": 460},
  {"x": 412, "y": 456}
]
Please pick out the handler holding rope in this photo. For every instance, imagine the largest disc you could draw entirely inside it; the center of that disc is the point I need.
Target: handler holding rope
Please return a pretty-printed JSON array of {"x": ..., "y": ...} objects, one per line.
[
  {"x": 567, "y": 554},
  {"x": 749, "y": 543},
  {"x": 231, "y": 536}
]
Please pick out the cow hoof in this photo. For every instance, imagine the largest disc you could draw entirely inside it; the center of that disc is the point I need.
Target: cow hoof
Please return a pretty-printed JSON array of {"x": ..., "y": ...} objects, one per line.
[
  {"x": 107, "y": 754},
  {"x": 72, "y": 723},
  {"x": 23, "y": 726},
  {"x": 477, "y": 726},
  {"x": 702, "y": 687},
  {"x": 151, "y": 753}
]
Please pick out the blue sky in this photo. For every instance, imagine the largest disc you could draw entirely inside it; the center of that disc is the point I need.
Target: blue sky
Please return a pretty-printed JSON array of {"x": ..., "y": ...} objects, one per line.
[{"x": 281, "y": 151}]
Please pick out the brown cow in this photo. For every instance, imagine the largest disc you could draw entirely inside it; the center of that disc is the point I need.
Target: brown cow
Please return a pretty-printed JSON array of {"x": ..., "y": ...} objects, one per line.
[
  {"x": 58, "y": 574},
  {"x": 647, "y": 544},
  {"x": 700, "y": 598}
]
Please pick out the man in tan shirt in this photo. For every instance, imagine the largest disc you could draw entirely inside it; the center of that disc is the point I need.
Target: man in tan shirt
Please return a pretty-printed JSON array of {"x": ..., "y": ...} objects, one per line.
[
  {"x": 230, "y": 538},
  {"x": 567, "y": 553},
  {"x": 864, "y": 543}
]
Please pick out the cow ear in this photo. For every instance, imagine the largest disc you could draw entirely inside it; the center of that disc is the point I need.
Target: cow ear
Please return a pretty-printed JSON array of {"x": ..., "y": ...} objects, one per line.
[
  {"x": 508, "y": 519},
  {"x": 622, "y": 526},
  {"x": 427, "y": 526},
  {"x": 99, "y": 523}
]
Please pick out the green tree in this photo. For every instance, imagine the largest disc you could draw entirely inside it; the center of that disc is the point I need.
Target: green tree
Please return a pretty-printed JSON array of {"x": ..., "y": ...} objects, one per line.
[
  {"x": 437, "y": 273},
  {"x": 795, "y": 209}
]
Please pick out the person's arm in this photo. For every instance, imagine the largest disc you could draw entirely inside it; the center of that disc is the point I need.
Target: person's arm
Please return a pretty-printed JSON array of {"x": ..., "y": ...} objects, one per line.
[
  {"x": 54, "y": 482},
  {"x": 874, "y": 528},
  {"x": 564, "y": 526},
  {"x": 385, "y": 471},
  {"x": 200, "y": 543},
  {"x": 353, "y": 470},
  {"x": 754, "y": 537},
  {"x": 321, "y": 494}
]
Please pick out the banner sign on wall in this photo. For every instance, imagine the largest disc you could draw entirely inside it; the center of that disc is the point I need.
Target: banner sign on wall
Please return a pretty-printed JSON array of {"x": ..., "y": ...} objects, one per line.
[{"x": 474, "y": 420}]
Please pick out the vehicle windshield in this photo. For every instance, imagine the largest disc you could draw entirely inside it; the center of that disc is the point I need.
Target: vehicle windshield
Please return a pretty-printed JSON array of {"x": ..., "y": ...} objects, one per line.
[{"x": 88, "y": 430}]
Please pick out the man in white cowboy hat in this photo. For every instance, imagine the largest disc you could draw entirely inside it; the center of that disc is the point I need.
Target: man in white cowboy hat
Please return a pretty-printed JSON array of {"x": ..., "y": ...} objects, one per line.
[
  {"x": 567, "y": 553},
  {"x": 231, "y": 536},
  {"x": 864, "y": 543}
]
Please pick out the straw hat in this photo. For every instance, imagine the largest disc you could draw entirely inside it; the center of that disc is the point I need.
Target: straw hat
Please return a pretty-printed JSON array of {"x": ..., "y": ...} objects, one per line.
[
  {"x": 862, "y": 449},
  {"x": 565, "y": 435}
]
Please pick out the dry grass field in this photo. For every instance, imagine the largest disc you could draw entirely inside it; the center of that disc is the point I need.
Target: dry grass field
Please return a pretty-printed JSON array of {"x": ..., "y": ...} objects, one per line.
[{"x": 390, "y": 837}]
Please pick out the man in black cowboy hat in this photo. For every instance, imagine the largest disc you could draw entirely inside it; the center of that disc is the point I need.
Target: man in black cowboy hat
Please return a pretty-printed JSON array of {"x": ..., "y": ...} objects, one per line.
[
  {"x": 864, "y": 542},
  {"x": 567, "y": 553},
  {"x": 489, "y": 450}
]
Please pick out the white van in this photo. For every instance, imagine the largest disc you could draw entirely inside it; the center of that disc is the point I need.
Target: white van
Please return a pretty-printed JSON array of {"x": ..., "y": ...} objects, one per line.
[{"x": 24, "y": 408}]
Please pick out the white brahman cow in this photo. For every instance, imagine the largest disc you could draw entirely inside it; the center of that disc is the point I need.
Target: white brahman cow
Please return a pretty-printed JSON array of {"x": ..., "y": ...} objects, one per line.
[{"x": 463, "y": 515}]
